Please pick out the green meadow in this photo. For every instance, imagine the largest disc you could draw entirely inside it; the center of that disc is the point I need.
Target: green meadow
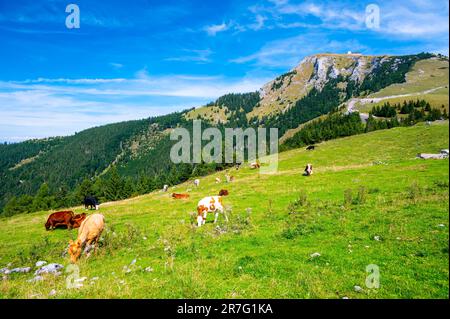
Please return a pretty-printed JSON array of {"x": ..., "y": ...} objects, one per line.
[{"x": 369, "y": 202}]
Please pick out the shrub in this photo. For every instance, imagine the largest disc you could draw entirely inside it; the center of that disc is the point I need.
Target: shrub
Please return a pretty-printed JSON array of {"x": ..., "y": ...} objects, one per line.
[
  {"x": 361, "y": 197},
  {"x": 348, "y": 197}
]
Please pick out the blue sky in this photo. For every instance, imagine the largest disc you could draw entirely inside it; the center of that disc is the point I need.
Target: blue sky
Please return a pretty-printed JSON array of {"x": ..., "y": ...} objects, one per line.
[{"x": 134, "y": 59}]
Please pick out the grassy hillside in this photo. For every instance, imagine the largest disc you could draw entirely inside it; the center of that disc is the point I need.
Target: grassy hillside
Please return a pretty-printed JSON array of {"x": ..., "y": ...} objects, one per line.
[
  {"x": 369, "y": 202},
  {"x": 428, "y": 80},
  {"x": 212, "y": 114}
]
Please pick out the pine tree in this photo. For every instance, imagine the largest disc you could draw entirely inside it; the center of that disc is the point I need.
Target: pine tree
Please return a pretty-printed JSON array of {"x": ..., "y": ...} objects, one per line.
[{"x": 114, "y": 186}]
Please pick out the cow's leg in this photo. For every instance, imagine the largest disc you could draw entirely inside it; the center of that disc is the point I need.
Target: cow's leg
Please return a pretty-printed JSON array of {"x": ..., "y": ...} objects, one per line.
[
  {"x": 205, "y": 213},
  {"x": 96, "y": 245},
  {"x": 88, "y": 248},
  {"x": 224, "y": 213},
  {"x": 199, "y": 220}
]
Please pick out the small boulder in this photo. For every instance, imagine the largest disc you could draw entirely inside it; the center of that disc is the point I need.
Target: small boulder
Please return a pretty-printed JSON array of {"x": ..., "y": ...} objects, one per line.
[
  {"x": 5, "y": 271},
  {"x": 49, "y": 269},
  {"x": 358, "y": 289},
  {"x": 21, "y": 270},
  {"x": 36, "y": 278},
  {"x": 315, "y": 255}
]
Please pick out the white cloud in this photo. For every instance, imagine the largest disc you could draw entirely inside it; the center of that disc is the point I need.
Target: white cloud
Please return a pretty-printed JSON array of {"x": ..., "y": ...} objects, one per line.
[
  {"x": 116, "y": 65},
  {"x": 417, "y": 21},
  {"x": 212, "y": 30},
  {"x": 287, "y": 52},
  {"x": 259, "y": 24},
  {"x": 200, "y": 56},
  {"x": 48, "y": 107}
]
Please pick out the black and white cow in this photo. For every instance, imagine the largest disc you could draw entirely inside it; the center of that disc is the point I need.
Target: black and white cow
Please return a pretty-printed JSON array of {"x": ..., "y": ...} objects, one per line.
[{"x": 91, "y": 202}]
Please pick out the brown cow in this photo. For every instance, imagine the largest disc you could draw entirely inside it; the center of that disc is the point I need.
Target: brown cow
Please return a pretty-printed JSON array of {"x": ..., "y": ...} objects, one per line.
[
  {"x": 88, "y": 235},
  {"x": 77, "y": 220},
  {"x": 255, "y": 165},
  {"x": 179, "y": 196},
  {"x": 223, "y": 192},
  {"x": 63, "y": 218}
]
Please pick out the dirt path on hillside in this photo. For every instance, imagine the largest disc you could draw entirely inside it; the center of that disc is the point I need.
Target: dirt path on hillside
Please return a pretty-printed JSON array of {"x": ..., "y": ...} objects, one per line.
[{"x": 364, "y": 116}]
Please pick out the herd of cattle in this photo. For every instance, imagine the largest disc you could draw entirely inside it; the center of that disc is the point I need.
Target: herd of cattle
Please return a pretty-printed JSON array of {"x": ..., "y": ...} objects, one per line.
[{"x": 91, "y": 227}]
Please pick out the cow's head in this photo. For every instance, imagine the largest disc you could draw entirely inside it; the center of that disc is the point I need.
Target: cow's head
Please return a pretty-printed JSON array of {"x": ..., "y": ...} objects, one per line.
[{"x": 74, "y": 250}]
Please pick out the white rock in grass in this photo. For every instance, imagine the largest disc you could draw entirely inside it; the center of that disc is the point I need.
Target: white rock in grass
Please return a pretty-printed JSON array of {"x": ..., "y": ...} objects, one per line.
[
  {"x": 344, "y": 297},
  {"x": 315, "y": 255},
  {"x": 21, "y": 270},
  {"x": 41, "y": 263},
  {"x": 49, "y": 269},
  {"x": 149, "y": 269},
  {"x": 52, "y": 292},
  {"x": 377, "y": 238},
  {"x": 36, "y": 278},
  {"x": 133, "y": 262},
  {"x": 80, "y": 279},
  {"x": 5, "y": 271},
  {"x": 358, "y": 289},
  {"x": 441, "y": 225}
]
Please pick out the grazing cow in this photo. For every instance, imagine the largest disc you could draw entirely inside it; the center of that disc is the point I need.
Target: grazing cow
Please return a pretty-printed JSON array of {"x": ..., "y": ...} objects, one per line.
[
  {"x": 310, "y": 147},
  {"x": 91, "y": 202},
  {"x": 229, "y": 178},
  {"x": 217, "y": 180},
  {"x": 179, "y": 196},
  {"x": 211, "y": 204},
  {"x": 78, "y": 219},
  {"x": 88, "y": 235},
  {"x": 196, "y": 182},
  {"x": 63, "y": 218},
  {"x": 165, "y": 188},
  {"x": 255, "y": 165},
  {"x": 223, "y": 192},
  {"x": 308, "y": 170}
]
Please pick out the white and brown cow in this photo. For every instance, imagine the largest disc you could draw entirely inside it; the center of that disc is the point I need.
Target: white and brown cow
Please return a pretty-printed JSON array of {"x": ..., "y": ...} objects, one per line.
[{"x": 210, "y": 204}]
